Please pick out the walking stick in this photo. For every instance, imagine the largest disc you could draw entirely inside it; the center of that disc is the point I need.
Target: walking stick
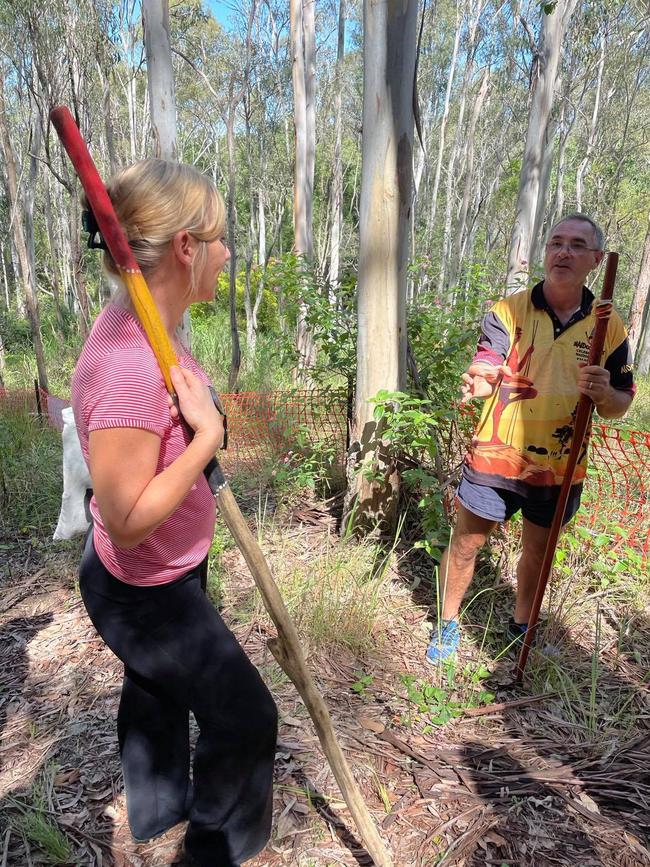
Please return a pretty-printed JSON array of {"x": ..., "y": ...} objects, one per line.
[
  {"x": 286, "y": 647},
  {"x": 583, "y": 414}
]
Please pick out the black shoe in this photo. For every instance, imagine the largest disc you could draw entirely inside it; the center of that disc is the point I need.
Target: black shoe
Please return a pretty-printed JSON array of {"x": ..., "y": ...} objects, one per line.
[{"x": 515, "y": 635}]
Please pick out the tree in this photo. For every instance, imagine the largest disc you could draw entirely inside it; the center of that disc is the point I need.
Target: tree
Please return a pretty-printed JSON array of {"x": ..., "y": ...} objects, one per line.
[
  {"x": 160, "y": 76},
  {"x": 304, "y": 58},
  {"x": 385, "y": 214},
  {"x": 640, "y": 301},
  {"x": 545, "y": 70},
  {"x": 18, "y": 217}
]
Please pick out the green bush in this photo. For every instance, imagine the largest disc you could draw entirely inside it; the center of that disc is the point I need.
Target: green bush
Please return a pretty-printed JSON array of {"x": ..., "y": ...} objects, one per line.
[{"x": 30, "y": 474}]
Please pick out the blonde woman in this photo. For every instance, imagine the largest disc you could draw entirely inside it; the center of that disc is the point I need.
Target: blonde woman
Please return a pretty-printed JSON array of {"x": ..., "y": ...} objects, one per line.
[{"x": 144, "y": 568}]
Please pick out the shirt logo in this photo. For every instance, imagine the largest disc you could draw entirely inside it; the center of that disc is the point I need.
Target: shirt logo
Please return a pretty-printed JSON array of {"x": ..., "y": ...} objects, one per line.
[{"x": 582, "y": 350}]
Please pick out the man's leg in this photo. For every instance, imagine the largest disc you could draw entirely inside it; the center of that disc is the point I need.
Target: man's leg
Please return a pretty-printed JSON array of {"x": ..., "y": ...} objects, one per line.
[
  {"x": 457, "y": 565},
  {"x": 534, "y": 540},
  {"x": 456, "y": 571}
]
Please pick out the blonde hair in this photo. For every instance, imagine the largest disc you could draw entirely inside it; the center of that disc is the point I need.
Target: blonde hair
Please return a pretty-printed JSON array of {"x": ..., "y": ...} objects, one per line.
[{"x": 154, "y": 199}]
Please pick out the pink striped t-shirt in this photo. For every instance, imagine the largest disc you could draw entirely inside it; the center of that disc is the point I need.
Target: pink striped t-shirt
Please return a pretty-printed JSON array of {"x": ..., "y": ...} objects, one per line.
[{"x": 117, "y": 384}]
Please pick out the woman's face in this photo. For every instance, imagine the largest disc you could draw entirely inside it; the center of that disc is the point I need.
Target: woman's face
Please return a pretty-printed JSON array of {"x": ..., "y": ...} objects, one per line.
[{"x": 217, "y": 254}]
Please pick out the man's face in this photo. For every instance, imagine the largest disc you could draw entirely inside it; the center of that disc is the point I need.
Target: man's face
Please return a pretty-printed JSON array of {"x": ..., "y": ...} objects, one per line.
[{"x": 570, "y": 254}]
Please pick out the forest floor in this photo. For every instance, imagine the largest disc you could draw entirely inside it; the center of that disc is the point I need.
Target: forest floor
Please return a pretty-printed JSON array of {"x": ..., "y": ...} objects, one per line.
[{"x": 457, "y": 767}]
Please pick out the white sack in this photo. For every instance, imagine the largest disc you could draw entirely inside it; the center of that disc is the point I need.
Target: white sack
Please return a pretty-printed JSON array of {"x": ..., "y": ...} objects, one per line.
[{"x": 73, "y": 520}]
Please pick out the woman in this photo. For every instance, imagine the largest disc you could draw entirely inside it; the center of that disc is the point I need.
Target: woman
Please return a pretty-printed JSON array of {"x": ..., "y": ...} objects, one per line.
[{"x": 143, "y": 572}]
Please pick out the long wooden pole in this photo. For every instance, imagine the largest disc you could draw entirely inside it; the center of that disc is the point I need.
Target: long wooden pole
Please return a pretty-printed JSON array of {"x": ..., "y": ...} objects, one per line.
[
  {"x": 286, "y": 648},
  {"x": 583, "y": 414}
]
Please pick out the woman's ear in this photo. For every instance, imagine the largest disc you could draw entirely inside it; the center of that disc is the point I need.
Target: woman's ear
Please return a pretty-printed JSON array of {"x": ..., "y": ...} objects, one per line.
[{"x": 184, "y": 246}]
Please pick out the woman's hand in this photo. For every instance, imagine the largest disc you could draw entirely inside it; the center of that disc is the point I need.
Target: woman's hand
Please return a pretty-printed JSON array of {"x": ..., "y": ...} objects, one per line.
[
  {"x": 196, "y": 405},
  {"x": 481, "y": 378}
]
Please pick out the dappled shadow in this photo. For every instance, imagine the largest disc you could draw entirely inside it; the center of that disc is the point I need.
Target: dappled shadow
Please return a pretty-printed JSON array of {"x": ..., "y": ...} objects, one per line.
[
  {"x": 595, "y": 722},
  {"x": 52, "y": 799},
  {"x": 15, "y": 636}
]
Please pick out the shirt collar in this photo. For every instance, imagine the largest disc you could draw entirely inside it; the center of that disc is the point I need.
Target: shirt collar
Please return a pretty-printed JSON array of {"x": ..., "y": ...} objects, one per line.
[{"x": 539, "y": 301}]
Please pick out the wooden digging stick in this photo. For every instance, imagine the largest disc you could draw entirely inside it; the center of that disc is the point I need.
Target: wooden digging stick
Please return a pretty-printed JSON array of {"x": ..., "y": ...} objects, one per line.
[
  {"x": 286, "y": 648},
  {"x": 584, "y": 410}
]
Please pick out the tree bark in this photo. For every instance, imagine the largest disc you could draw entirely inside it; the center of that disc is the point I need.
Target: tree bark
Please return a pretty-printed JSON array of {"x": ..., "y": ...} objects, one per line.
[
  {"x": 337, "y": 167},
  {"x": 593, "y": 126},
  {"x": 303, "y": 75},
  {"x": 461, "y": 230},
  {"x": 548, "y": 57},
  {"x": 162, "y": 98},
  {"x": 18, "y": 224},
  {"x": 640, "y": 298},
  {"x": 443, "y": 123},
  {"x": 160, "y": 76},
  {"x": 385, "y": 214}
]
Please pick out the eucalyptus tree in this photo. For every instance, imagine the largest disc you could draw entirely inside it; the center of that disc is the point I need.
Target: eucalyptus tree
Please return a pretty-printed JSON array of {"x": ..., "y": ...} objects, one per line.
[
  {"x": 638, "y": 316},
  {"x": 386, "y": 197},
  {"x": 549, "y": 47},
  {"x": 18, "y": 221},
  {"x": 303, "y": 49},
  {"x": 160, "y": 77}
]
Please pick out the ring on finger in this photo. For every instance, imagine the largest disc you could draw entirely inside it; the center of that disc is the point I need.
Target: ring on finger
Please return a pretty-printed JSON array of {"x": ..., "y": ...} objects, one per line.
[{"x": 589, "y": 385}]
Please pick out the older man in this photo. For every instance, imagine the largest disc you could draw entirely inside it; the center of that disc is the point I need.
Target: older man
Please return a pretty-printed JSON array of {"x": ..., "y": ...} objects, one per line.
[{"x": 531, "y": 365}]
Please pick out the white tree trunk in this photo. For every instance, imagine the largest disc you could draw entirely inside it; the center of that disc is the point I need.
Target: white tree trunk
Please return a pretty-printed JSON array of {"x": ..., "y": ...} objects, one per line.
[
  {"x": 160, "y": 76},
  {"x": 385, "y": 213},
  {"x": 303, "y": 76},
  {"x": 443, "y": 122},
  {"x": 18, "y": 230},
  {"x": 640, "y": 298},
  {"x": 591, "y": 138},
  {"x": 550, "y": 46},
  {"x": 461, "y": 229},
  {"x": 337, "y": 168}
]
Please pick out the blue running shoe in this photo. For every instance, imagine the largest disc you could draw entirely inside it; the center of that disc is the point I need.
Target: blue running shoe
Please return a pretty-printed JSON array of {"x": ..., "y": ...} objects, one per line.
[{"x": 444, "y": 642}]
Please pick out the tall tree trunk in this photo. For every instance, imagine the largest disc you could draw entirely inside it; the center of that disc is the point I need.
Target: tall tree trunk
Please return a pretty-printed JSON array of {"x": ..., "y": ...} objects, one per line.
[
  {"x": 548, "y": 57},
  {"x": 643, "y": 349},
  {"x": 443, "y": 124},
  {"x": 640, "y": 298},
  {"x": 337, "y": 167},
  {"x": 542, "y": 195},
  {"x": 456, "y": 263},
  {"x": 385, "y": 214},
  {"x": 18, "y": 223},
  {"x": 593, "y": 126},
  {"x": 303, "y": 75},
  {"x": 235, "y": 347},
  {"x": 55, "y": 254},
  {"x": 162, "y": 97},
  {"x": 160, "y": 76}
]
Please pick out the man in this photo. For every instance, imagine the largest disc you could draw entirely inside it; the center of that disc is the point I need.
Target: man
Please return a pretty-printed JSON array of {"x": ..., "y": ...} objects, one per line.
[{"x": 531, "y": 365}]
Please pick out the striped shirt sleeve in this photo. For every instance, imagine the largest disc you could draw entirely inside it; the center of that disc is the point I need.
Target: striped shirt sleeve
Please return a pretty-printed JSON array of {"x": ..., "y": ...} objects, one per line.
[{"x": 127, "y": 390}]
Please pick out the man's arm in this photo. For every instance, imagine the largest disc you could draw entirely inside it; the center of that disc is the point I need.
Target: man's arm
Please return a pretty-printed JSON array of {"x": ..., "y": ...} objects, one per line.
[
  {"x": 615, "y": 404},
  {"x": 610, "y": 402}
]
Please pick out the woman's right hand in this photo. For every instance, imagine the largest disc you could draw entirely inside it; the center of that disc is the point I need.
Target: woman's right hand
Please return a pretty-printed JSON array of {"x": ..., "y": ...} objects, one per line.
[{"x": 196, "y": 405}]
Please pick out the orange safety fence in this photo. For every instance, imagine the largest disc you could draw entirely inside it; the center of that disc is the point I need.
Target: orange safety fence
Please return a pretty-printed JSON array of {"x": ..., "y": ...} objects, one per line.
[{"x": 266, "y": 428}]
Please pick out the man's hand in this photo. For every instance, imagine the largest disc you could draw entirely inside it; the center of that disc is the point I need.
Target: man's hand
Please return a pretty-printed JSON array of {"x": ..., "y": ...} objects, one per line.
[
  {"x": 594, "y": 382},
  {"x": 481, "y": 379}
]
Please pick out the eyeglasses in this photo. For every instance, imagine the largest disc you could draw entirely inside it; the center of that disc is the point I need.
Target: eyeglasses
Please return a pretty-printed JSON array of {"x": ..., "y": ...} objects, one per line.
[{"x": 572, "y": 247}]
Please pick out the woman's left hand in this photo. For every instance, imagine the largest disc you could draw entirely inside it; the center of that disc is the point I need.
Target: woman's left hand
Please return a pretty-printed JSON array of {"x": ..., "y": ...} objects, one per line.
[{"x": 594, "y": 382}]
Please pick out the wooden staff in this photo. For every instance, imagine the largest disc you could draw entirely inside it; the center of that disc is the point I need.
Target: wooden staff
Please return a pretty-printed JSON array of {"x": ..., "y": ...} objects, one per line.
[
  {"x": 584, "y": 410},
  {"x": 286, "y": 647}
]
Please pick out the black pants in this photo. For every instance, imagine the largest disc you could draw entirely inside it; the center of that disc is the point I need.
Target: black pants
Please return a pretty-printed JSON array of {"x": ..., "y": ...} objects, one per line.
[{"x": 179, "y": 656}]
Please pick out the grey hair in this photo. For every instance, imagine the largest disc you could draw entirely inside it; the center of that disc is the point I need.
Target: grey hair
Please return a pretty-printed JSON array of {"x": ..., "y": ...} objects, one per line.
[{"x": 598, "y": 232}]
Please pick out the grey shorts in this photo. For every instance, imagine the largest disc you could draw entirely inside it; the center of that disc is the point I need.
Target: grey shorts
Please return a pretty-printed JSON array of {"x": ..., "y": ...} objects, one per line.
[{"x": 498, "y": 504}]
